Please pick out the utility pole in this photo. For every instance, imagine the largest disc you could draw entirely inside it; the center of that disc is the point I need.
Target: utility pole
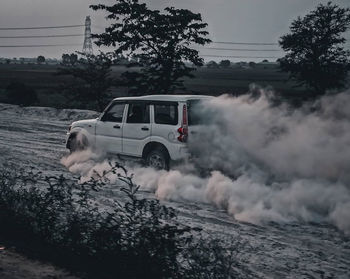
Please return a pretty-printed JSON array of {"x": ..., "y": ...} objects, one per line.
[{"x": 87, "y": 48}]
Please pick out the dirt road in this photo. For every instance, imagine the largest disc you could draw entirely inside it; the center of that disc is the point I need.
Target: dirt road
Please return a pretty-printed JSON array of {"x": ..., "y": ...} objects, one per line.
[
  {"x": 35, "y": 137},
  {"x": 16, "y": 266}
]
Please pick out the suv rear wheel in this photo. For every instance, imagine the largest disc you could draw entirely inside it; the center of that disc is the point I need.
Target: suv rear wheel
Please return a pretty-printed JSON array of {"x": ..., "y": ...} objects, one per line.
[{"x": 158, "y": 159}]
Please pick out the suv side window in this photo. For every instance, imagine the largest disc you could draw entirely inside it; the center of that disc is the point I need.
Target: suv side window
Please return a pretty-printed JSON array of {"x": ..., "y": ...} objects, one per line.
[
  {"x": 138, "y": 113},
  {"x": 165, "y": 114},
  {"x": 114, "y": 113}
]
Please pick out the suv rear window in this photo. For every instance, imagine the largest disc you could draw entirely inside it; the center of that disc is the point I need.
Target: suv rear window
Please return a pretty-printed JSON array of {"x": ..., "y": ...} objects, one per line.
[
  {"x": 165, "y": 114},
  {"x": 194, "y": 115}
]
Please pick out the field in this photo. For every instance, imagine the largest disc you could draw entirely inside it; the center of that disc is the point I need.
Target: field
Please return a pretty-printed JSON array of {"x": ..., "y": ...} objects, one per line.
[
  {"x": 285, "y": 223},
  {"x": 212, "y": 81},
  {"x": 35, "y": 137}
]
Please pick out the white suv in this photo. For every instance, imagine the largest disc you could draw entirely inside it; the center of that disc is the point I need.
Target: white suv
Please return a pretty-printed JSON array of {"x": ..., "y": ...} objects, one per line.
[{"x": 153, "y": 128}]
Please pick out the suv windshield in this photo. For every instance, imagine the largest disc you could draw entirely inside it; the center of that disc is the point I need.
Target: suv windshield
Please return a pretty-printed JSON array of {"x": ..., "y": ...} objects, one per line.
[{"x": 114, "y": 113}]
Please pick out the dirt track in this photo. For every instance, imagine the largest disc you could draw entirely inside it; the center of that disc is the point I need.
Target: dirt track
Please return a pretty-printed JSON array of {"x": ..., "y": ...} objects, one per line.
[
  {"x": 16, "y": 266},
  {"x": 35, "y": 137}
]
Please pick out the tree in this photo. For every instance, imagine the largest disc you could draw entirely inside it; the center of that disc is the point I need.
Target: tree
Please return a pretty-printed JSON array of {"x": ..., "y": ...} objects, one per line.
[
  {"x": 225, "y": 63},
  {"x": 315, "y": 53},
  {"x": 40, "y": 59},
  {"x": 69, "y": 59},
  {"x": 120, "y": 60},
  {"x": 212, "y": 64},
  {"x": 252, "y": 64},
  {"x": 20, "y": 94},
  {"x": 73, "y": 58},
  {"x": 65, "y": 59},
  {"x": 92, "y": 79},
  {"x": 160, "y": 41}
]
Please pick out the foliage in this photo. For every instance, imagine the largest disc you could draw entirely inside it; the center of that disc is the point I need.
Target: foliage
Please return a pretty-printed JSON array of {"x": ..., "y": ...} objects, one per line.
[
  {"x": 252, "y": 64},
  {"x": 121, "y": 60},
  {"x": 69, "y": 59},
  {"x": 219, "y": 263},
  {"x": 225, "y": 63},
  {"x": 160, "y": 42},
  {"x": 91, "y": 79},
  {"x": 315, "y": 49},
  {"x": 20, "y": 94},
  {"x": 212, "y": 64},
  {"x": 41, "y": 59},
  {"x": 139, "y": 238}
]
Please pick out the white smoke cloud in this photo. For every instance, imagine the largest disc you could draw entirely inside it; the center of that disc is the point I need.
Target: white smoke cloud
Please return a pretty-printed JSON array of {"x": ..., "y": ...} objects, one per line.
[
  {"x": 289, "y": 143},
  {"x": 267, "y": 163}
]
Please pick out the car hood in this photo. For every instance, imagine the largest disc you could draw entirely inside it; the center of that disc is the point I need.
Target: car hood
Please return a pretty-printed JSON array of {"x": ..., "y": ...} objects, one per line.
[{"x": 84, "y": 123}]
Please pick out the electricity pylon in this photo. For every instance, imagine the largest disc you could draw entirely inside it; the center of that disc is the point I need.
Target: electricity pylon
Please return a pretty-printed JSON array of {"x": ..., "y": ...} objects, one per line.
[{"x": 87, "y": 48}]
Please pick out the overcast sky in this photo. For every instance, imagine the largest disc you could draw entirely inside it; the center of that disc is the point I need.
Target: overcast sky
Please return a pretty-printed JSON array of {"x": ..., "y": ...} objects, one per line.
[{"x": 229, "y": 20}]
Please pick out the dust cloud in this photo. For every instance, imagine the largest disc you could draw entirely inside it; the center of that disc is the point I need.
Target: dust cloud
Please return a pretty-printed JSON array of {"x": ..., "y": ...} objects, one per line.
[{"x": 262, "y": 162}]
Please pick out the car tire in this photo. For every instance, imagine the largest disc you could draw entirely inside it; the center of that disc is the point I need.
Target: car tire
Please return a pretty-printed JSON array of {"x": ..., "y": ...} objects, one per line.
[
  {"x": 75, "y": 145},
  {"x": 158, "y": 159}
]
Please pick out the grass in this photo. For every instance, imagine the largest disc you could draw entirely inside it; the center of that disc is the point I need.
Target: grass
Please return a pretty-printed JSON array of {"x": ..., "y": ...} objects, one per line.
[
  {"x": 218, "y": 81},
  {"x": 208, "y": 81}
]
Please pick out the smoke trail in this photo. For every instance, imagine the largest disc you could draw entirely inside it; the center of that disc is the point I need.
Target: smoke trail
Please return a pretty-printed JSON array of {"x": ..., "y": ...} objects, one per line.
[
  {"x": 290, "y": 143},
  {"x": 267, "y": 163}
]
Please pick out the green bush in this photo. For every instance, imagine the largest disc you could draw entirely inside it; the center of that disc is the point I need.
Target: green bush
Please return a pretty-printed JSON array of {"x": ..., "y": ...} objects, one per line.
[
  {"x": 137, "y": 239},
  {"x": 20, "y": 94}
]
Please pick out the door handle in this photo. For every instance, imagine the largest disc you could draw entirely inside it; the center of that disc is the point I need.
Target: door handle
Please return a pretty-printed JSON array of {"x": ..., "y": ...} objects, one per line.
[
  {"x": 145, "y": 129},
  {"x": 116, "y": 126}
]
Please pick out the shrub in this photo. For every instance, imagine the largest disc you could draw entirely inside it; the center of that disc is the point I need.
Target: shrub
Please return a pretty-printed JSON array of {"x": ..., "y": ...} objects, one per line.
[
  {"x": 225, "y": 63},
  {"x": 139, "y": 238},
  {"x": 20, "y": 94}
]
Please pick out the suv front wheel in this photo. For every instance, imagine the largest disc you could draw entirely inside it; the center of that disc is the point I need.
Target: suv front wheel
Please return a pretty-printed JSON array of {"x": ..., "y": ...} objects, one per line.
[
  {"x": 77, "y": 145},
  {"x": 158, "y": 159}
]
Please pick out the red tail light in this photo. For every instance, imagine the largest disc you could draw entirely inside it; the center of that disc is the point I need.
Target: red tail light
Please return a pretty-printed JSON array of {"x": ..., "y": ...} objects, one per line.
[{"x": 183, "y": 130}]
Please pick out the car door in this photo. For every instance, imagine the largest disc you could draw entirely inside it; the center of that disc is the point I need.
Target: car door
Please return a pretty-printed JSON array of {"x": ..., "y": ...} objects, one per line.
[
  {"x": 166, "y": 122},
  {"x": 109, "y": 129},
  {"x": 137, "y": 128}
]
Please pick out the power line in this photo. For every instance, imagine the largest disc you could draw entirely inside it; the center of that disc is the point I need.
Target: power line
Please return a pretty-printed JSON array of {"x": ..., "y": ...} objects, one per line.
[
  {"x": 239, "y": 49},
  {"x": 99, "y": 27},
  {"x": 250, "y": 44},
  {"x": 42, "y": 27},
  {"x": 41, "y": 36},
  {"x": 233, "y": 56},
  {"x": 23, "y": 46}
]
